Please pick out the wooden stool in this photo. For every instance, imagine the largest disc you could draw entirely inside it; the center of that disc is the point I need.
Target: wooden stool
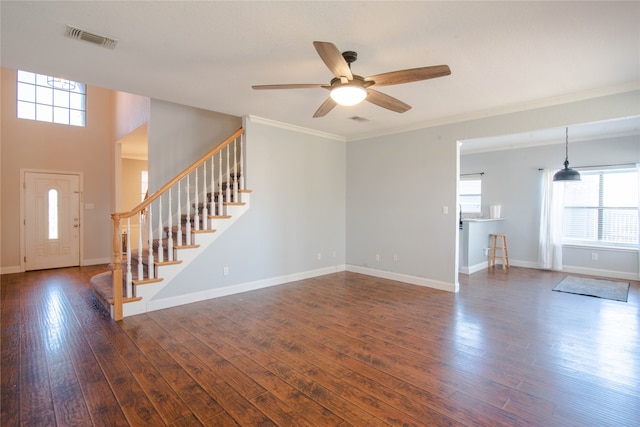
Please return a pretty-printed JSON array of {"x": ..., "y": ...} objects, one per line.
[{"x": 493, "y": 248}]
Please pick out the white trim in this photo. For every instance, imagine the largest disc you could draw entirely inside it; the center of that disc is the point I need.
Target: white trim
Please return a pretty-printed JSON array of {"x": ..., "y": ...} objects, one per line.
[
  {"x": 23, "y": 237},
  {"x": 599, "y": 272},
  {"x": 159, "y": 304},
  {"x": 405, "y": 278},
  {"x": 294, "y": 128},
  {"x": 475, "y": 268},
  {"x": 10, "y": 270},
  {"x": 96, "y": 261},
  {"x": 516, "y": 108}
]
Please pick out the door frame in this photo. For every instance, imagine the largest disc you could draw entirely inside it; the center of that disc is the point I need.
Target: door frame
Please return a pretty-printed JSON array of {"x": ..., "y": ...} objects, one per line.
[{"x": 23, "y": 233}]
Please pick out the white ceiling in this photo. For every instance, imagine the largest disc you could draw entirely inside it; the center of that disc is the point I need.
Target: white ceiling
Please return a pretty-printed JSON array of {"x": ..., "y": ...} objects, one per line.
[{"x": 504, "y": 56}]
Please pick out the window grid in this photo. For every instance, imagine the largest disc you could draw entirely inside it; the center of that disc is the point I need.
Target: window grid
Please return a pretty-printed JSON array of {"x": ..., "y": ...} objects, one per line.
[
  {"x": 48, "y": 99},
  {"x": 602, "y": 208}
]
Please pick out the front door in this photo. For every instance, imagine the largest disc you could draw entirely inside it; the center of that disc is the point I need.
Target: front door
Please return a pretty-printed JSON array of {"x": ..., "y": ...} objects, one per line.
[{"x": 52, "y": 220}]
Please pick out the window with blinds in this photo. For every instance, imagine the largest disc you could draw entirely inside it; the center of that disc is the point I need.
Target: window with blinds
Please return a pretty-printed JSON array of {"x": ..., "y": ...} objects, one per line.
[
  {"x": 602, "y": 208},
  {"x": 470, "y": 195}
]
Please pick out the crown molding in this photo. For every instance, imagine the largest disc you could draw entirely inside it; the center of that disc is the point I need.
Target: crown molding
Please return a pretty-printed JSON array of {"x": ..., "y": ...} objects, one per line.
[
  {"x": 294, "y": 128},
  {"x": 516, "y": 108}
]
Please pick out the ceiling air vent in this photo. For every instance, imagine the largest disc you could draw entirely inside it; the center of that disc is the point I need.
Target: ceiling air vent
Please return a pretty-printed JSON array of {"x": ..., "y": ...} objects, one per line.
[
  {"x": 359, "y": 119},
  {"x": 78, "y": 34}
]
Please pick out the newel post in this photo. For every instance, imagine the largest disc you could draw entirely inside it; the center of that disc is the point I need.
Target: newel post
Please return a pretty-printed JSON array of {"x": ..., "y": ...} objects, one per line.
[{"x": 116, "y": 272}]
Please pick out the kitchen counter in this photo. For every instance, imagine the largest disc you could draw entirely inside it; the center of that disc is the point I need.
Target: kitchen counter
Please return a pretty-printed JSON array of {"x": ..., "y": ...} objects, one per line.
[{"x": 474, "y": 243}]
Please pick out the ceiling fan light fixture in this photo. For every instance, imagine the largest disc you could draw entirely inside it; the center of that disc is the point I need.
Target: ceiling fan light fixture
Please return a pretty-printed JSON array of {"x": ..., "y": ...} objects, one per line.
[{"x": 348, "y": 94}]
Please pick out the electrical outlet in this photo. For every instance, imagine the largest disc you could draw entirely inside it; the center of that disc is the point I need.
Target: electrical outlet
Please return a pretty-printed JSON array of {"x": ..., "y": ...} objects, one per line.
[
  {"x": 594, "y": 256},
  {"x": 319, "y": 256},
  {"x": 445, "y": 210},
  {"x": 395, "y": 257},
  {"x": 225, "y": 271},
  {"x": 334, "y": 254},
  {"x": 378, "y": 257}
]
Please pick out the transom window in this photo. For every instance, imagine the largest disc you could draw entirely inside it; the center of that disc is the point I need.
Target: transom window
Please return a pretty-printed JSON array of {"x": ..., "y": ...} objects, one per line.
[
  {"x": 51, "y": 99},
  {"x": 602, "y": 208}
]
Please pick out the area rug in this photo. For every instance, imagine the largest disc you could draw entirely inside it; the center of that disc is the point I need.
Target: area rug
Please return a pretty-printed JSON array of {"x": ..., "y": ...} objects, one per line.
[{"x": 607, "y": 289}]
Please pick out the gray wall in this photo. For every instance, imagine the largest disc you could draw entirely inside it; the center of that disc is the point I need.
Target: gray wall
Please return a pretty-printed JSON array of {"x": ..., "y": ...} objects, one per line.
[
  {"x": 398, "y": 184},
  {"x": 297, "y": 212},
  {"x": 179, "y": 135},
  {"x": 512, "y": 179}
]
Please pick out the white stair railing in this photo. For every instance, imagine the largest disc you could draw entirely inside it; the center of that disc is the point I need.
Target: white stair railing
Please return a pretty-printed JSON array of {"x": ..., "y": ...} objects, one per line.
[{"x": 160, "y": 244}]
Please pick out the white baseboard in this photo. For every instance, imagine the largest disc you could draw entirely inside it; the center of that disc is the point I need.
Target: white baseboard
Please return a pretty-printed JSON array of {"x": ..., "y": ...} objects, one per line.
[
  {"x": 17, "y": 268},
  {"x": 10, "y": 270},
  {"x": 159, "y": 304},
  {"x": 96, "y": 261},
  {"x": 413, "y": 280},
  {"x": 599, "y": 272},
  {"x": 474, "y": 268}
]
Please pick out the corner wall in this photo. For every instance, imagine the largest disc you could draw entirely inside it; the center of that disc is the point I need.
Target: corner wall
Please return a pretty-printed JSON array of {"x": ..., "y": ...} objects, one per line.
[
  {"x": 513, "y": 180},
  {"x": 397, "y": 186},
  {"x": 28, "y": 144},
  {"x": 297, "y": 212}
]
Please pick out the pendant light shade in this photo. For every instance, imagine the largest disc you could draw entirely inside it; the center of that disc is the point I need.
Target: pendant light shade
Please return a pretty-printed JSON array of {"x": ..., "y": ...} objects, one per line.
[{"x": 567, "y": 174}]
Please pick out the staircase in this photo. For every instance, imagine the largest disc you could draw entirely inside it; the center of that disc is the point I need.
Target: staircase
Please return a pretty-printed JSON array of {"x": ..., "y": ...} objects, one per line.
[{"x": 175, "y": 225}]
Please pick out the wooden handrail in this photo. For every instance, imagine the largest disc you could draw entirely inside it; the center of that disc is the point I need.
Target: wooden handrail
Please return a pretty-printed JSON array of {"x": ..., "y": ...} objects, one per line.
[
  {"x": 117, "y": 217},
  {"x": 146, "y": 202}
]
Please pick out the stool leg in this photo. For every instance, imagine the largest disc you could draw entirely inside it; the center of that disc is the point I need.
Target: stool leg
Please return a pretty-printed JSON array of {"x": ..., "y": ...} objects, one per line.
[
  {"x": 492, "y": 252},
  {"x": 505, "y": 251}
]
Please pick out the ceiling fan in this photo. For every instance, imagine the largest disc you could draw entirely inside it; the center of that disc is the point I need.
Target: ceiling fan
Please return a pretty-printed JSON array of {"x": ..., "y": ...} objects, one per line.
[{"x": 350, "y": 89}]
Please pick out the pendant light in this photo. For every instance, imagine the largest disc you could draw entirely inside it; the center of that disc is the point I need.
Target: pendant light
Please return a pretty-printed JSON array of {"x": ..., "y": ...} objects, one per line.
[{"x": 567, "y": 174}]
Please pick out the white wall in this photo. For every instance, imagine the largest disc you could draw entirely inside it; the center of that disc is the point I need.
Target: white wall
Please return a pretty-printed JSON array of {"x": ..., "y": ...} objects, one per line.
[
  {"x": 513, "y": 180},
  {"x": 42, "y": 146},
  {"x": 397, "y": 187},
  {"x": 179, "y": 135},
  {"x": 297, "y": 212},
  {"x": 398, "y": 184}
]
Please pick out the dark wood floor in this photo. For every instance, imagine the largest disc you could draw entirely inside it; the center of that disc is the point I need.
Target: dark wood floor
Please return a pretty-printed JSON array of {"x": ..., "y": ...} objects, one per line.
[{"x": 343, "y": 349}]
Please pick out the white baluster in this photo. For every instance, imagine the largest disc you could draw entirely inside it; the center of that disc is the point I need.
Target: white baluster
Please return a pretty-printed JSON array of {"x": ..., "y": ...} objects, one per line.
[
  {"x": 212, "y": 185},
  {"x": 128, "y": 289},
  {"x": 242, "y": 164},
  {"x": 205, "y": 213},
  {"x": 150, "y": 260},
  {"x": 179, "y": 233},
  {"x": 235, "y": 171},
  {"x": 220, "y": 201},
  {"x": 170, "y": 232},
  {"x": 196, "y": 216},
  {"x": 188, "y": 226},
  {"x": 226, "y": 193},
  {"x": 140, "y": 228},
  {"x": 160, "y": 237}
]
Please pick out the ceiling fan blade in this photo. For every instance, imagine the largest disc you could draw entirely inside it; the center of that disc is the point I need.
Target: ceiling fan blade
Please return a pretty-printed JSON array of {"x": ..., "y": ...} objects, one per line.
[
  {"x": 289, "y": 86},
  {"x": 333, "y": 59},
  {"x": 411, "y": 75},
  {"x": 325, "y": 108},
  {"x": 385, "y": 101}
]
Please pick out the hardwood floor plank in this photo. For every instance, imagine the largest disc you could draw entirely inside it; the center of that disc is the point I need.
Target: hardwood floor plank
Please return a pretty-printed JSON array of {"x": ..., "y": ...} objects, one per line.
[
  {"x": 199, "y": 401},
  {"x": 326, "y": 398},
  {"x": 233, "y": 402},
  {"x": 338, "y": 350},
  {"x": 70, "y": 406},
  {"x": 306, "y": 408}
]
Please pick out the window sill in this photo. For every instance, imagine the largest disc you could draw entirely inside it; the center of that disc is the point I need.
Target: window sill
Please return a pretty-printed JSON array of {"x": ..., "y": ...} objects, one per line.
[{"x": 600, "y": 247}]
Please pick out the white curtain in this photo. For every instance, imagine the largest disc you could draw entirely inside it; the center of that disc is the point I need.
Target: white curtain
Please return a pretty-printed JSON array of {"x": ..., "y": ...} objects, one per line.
[
  {"x": 550, "y": 241},
  {"x": 638, "y": 170}
]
